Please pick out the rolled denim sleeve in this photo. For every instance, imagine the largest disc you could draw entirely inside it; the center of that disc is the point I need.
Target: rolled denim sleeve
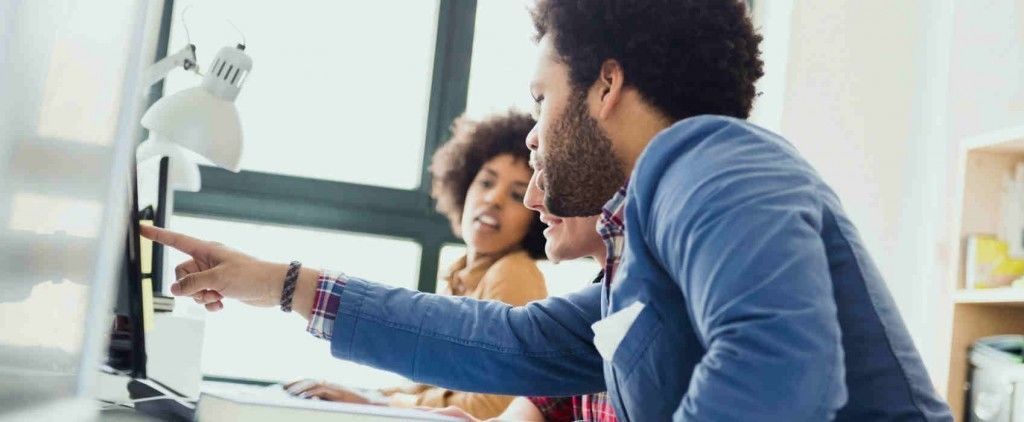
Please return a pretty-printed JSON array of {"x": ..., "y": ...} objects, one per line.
[{"x": 542, "y": 348}]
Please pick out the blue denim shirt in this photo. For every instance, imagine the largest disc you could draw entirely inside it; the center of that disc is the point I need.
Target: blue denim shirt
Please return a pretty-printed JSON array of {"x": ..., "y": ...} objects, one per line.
[{"x": 760, "y": 303}]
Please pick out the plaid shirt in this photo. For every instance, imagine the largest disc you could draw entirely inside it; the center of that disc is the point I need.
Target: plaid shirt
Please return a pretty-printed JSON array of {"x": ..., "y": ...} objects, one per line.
[
  {"x": 325, "y": 304},
  {"x": 593, "y": 407}
]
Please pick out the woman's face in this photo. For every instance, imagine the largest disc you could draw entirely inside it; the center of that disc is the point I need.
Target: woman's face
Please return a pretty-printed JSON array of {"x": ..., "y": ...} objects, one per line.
[{"x": 494, "y": 218}]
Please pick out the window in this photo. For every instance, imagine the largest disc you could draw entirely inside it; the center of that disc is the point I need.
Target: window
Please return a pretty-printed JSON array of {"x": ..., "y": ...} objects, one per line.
[
  {"x": 382, "y": 259},
  {"x": 337, "y": 127},
  {"x": 261, "y": 343},
  {"x": 568, "y": 276},
  {"x": 503, "y": 58},
  {"x": 450, "y": 253},
  {"x": 323, "y": 102},
  {"x": 346, "y": 103}
]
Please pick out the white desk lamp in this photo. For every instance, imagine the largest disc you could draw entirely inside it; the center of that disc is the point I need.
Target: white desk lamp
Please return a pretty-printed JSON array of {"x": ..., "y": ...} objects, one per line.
[{"x": 202, "y": 119}]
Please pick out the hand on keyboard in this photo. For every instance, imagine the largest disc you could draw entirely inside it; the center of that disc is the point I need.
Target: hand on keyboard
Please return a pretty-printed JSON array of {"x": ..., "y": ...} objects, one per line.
[{"x": 321, "y": 390}]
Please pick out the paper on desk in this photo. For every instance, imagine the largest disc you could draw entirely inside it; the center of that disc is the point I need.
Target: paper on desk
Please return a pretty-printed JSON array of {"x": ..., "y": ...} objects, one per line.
[{"x": 609, "y": 331}]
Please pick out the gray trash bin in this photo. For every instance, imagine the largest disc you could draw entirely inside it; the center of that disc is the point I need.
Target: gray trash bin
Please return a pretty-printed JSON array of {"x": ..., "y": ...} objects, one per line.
[{"x": 997, "y": 379}]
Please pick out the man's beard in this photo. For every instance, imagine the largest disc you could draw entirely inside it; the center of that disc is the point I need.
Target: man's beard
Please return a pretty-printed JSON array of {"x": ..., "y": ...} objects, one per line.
[{"x": 581, "y": 171}]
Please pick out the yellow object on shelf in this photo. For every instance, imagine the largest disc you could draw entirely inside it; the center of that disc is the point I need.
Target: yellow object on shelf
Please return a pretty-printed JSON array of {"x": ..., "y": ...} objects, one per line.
[{"x": 989, "y": 263}]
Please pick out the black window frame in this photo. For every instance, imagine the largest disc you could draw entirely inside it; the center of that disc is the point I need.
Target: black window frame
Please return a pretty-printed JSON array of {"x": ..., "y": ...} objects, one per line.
[{"x": 259, "y": 197}]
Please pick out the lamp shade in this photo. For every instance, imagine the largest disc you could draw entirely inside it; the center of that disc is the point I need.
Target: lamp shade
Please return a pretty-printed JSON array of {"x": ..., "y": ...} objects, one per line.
[
  {"x": 182, "y": 172},
  {"x": 201, "y": 122},
  {"x": 204, "y": 119}
]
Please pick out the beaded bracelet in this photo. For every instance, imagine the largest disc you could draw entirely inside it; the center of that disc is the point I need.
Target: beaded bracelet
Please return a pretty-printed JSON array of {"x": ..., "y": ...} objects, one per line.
[{"x": 288, "y": 291}]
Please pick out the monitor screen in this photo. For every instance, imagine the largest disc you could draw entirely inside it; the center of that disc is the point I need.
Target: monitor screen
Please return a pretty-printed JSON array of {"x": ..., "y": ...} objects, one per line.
[{"x": 127, "y": 352}]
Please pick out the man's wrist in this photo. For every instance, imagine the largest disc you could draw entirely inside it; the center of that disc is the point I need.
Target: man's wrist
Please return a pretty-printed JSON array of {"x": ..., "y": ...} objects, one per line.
[
  {"x": 288, "y": 289},
  {"x": 274, "y": 274},
  {"x": 305, "y": 292}
]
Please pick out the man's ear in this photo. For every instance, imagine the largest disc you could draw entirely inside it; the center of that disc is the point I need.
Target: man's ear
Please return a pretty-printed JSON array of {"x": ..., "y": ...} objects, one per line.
[{"x": 610, "y": 83}]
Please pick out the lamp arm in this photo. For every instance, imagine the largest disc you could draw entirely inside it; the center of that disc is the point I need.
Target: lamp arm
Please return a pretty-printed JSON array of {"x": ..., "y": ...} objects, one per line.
[{"x": 184, "y": 58}]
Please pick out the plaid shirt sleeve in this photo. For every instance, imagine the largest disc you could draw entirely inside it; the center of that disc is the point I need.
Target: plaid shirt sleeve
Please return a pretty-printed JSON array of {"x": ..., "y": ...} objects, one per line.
[
  {"x": 325, "y": 304},
  {"x": 554, "y": 409}
]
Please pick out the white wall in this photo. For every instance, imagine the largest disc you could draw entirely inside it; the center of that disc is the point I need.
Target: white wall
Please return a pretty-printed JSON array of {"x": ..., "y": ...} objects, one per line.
[{"x": 986, "y": 66}]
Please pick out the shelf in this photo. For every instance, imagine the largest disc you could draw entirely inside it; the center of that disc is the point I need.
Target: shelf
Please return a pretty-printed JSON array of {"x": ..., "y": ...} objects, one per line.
[
  {"x": 988, "y": 159},
  {"x": 1009, "y": 140},
  {"x": 998, "y": 296}
]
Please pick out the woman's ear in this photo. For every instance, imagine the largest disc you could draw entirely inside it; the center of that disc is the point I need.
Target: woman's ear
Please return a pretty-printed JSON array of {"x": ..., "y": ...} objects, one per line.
[{"x": 610, "y": 82}]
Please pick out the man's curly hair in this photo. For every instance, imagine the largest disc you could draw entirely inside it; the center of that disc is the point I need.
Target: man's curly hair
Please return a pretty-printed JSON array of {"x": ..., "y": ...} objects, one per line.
[
  {"x": 686, "y": 57},
  {"x": 474, "y": 143}
]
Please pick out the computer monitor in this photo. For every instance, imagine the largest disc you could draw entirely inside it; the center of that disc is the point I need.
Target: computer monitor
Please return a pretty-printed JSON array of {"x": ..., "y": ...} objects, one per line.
[
  {"x": 127, "y": 351},
  {"x": 55, "y": 300},
  {"x": 69, "y": 122}
]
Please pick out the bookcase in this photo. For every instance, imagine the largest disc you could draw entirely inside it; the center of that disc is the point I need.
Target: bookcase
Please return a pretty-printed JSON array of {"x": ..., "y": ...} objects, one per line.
[{"x": 985, "y": 161}]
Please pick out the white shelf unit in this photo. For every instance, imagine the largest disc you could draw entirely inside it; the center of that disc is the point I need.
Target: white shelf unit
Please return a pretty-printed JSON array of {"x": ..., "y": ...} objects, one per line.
[
  {"x": 1000, "y": 296},
  {"x": 985, "y": 161}
]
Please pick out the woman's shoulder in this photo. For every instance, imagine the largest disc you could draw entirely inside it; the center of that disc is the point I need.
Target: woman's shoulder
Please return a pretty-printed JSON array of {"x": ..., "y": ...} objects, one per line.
[
  {"x": 518, "y": 261},
  {"x": 514, "y": 279}
]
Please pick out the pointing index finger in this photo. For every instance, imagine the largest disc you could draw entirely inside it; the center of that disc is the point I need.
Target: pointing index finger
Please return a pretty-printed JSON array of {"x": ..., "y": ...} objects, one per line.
[{"x": 181, "y": 242}]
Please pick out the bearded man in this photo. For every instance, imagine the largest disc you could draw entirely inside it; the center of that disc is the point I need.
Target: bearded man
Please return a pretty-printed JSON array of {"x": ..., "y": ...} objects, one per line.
[{"x": 742, "y": 291}]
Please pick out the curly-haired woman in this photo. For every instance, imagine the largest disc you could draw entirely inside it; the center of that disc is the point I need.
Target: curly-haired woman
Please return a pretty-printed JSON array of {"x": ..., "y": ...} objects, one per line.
[{"x": 480, "y": 178}]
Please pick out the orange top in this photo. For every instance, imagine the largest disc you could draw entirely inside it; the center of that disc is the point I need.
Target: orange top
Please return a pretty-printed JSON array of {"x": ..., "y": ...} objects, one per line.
[{"x": 513, "y": 279}]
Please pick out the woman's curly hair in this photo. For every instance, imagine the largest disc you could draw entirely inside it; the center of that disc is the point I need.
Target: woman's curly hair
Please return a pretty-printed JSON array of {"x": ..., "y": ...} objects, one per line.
[
  {"x": 473, "y": 143},
  {"x": 686, "y": 57}
]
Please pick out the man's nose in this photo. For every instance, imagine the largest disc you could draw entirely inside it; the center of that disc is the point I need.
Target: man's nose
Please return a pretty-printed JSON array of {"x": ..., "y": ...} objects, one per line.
[{"x": 533, "y": 138}]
